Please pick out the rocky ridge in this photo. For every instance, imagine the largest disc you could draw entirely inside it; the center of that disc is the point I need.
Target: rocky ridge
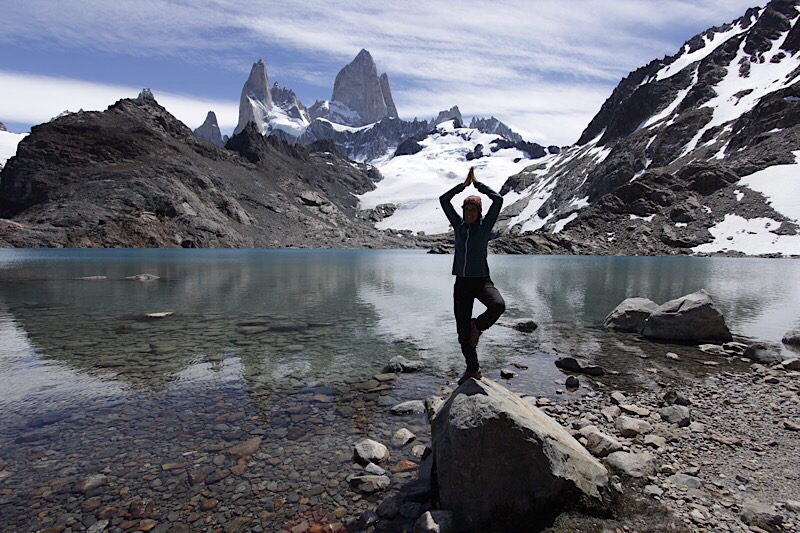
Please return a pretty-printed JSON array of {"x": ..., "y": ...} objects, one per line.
[
  {"x": 659, "y": 164},
  {"x": 134, "y": 176}
]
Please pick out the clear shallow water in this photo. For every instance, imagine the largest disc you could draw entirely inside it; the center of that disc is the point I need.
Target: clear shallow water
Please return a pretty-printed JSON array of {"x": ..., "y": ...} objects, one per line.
[
  {"x": 312, "y": 314},
  {"x": 283, "y": 344}
]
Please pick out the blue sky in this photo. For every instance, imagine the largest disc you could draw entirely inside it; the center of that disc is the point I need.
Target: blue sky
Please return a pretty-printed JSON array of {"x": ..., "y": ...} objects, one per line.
[{"x": 543, "y": 67}]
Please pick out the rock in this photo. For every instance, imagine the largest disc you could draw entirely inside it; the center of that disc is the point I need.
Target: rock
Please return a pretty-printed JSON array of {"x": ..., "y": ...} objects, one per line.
[
  {"x": 655, "y": 441},
  {"x": 525, "y": 325},
  {"x": 434, "y": 522},
  {"x": 143, "y": 277},
  {"x": 634, "y": 409},
  {"x": 401, "y": 364},
  {"x": 734, "y": 348},
  {"x": 388, "y": 508},
  {"x": 791, "y": 426},
  {"x": 632, "y": 464},
  {"x": 792, "y": 337},
  {"x": 617, "y": 398},
  {"x": 724, "y": 439},
  {"x": 672, "y": 356},
  {"x": 684, "y": 480},
  {"x": 572, "y": 364},
  {"x": 408, "y": 408},
  {"x": 676, "y": 414},
  {"x": 402, "y": 437},
  {"x": 763, "y": 353},
  {"x": 370, "y": 484},
  {"x": 142, "y": 507},
  {"x": 672, "y": 397},
  {"x": 793, "y": 506},
  {"x": 630, "y": 427},
  {"x": 245, "y": 448},
  {"x": 432, "y": 404},
  {"x": 693, "y": 317},
  {"x": 572, "y": 382},
  {"x": 489, "y": 445},
  {"x": 629, "y": 316},
  {"x": 653, "y": 490},
  {"x": 359, "y": 88},
  {"x": 89, "y": 484},
  {"x": 370, "y": 451},
  {"x": 601, "y": 444},
  {"x": 791, "y": 364},
  {"x": 611, "y": 412},
  {"x": 712, "y": 349},
  {"x": 374, "y": 470},
  {"x": 98, "y": 526},
  {"x": 760, "y": 515}
]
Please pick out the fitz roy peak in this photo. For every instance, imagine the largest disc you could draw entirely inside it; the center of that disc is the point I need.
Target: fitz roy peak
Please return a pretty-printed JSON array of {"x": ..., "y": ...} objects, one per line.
[{"x": 359, "y": 89}]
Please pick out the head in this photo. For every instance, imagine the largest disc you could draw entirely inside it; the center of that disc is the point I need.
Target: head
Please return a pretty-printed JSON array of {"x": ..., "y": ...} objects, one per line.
[{"x": 472, "y": 209}]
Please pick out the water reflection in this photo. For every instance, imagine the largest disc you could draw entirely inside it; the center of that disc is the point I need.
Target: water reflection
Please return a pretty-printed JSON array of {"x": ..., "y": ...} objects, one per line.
[{"x": 308, "y": 315}]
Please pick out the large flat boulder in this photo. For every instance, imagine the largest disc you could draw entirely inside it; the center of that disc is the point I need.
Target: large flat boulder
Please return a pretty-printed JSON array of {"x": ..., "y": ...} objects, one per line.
[
  {"x": 498, "y": 459},
  {"x": 693, "y": 317},
  {"x": 630, "y": 315}
]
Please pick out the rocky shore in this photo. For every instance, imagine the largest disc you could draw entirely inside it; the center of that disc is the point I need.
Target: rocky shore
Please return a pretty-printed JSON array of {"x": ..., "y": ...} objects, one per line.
[{"x": 693, "y": 442}]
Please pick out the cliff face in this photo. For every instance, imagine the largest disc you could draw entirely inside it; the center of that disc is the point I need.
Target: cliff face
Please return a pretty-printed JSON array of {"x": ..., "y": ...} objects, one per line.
[{"x": 134, "y": 176}]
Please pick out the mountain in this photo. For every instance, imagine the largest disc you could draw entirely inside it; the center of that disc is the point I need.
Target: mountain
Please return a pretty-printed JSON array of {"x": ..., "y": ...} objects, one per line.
[
  {"x": 134, "y": 176},
  {"x": 209, "y": 130},
  {"x": 361, "y": 117},
  {"x": 360, "y": 96},
  {"x": 690, "y": 154}
]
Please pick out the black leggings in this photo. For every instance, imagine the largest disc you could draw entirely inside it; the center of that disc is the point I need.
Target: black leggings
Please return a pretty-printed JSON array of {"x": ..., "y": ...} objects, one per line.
[{"x": 465, "y": 291}]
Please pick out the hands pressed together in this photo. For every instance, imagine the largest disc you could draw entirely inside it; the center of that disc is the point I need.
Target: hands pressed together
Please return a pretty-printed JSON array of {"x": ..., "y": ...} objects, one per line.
[{"x": 470, "y": 177}]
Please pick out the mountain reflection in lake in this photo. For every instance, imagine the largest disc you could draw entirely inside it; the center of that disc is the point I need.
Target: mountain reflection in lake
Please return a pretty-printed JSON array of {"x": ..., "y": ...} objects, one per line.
[{"x": 150, "y": 381}]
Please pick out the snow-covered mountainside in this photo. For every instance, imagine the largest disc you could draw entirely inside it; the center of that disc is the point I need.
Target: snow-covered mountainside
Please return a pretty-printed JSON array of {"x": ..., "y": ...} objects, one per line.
[
  {"x": 413, "y": 182},
  {"x": 692, "y": 153}
]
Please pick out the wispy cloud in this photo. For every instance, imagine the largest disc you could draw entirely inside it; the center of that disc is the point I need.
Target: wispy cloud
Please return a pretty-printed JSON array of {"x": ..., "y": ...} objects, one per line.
[
  {"x": 29, "y": 99},
  {"x": 466, "y": 50}
]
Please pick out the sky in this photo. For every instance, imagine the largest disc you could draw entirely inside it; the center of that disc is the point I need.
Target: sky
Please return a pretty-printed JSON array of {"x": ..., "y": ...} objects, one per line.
[{"x": 544, "y": 67}]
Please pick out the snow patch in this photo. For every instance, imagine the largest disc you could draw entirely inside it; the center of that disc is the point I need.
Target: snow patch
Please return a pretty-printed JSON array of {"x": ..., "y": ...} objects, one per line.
[
  {"x": 749, "y": 236},
  {"x": 780, "y": 184},
  {"x": 563, "y": 222}
]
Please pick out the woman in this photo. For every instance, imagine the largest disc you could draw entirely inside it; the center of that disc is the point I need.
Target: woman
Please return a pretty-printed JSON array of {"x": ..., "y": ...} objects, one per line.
[{"x": 472, "y": 232}]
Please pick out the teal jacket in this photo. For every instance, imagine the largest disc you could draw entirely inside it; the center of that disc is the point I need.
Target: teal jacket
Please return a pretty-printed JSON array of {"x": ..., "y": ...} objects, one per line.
[{"x": 472, "y": 240}]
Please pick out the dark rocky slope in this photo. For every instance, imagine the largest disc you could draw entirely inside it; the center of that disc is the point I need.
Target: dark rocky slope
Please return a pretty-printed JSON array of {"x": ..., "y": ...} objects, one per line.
[{"x": 134, "y": 176}]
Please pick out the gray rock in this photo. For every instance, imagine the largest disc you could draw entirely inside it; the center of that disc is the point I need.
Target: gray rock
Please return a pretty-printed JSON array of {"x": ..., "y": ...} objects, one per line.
[
  {"x": 693, "y": 317},
  {"x": 601, "y": 444},
  {"x": 684, "y": 480},
  {"x": 370, "y": 451},
  {"x": 791, "y": 364},
  {"x": 495, "y": 451},
  {"x": 632, "y": 409},
  {"x": 374, "y": 470},
  {"x": 764, "y": 353},
  {"x": 402, "y": 437},
  {"x": 525, "y": 325},
  {"x": 573, "y": 364},
  {"x": 370, "y": 484},
  {"x": 432, "y": 404},
  {"x": 679, "y": 415},
  {"x": 630, "y": 427},
  {"x": 672, "y": 397},
  {"x": 434, "y": 522},
  {"x": 760, "y": 515},
  {"x": 655, "y": 441},
  {"x": 632, "y": 464},
  {"x": 618, "y": 397},
  {"x": 209, "y": 130},
  {"x": 359, "y": 87},
  {"x": 408, "y": 408},
  {"x": 388, "y": 508},
  {"x": 792, "y": 337},
  {"x": 401, "y": 364},
  {"x": 630, "y": 315},
  {"x": 653, "y": 490},
  {"x": 506, "y": 374},
  {"x": 572, "y": 382}
]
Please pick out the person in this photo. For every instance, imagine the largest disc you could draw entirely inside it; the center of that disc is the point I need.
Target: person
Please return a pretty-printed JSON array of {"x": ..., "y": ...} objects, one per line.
[{"x": 472, "y": 232}]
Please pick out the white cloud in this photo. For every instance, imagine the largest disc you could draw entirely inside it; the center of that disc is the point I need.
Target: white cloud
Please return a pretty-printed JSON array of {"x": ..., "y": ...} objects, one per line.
[
  {"x": 32, "y": 99},
  {"x": 557, "y": 55}
]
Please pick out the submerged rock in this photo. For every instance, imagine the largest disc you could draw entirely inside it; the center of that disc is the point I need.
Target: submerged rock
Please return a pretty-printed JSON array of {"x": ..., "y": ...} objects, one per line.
[
  {"x": 572, "y": 364},
  {"x": 792, "y": 337},
  {"x": 497, "y": 456}
]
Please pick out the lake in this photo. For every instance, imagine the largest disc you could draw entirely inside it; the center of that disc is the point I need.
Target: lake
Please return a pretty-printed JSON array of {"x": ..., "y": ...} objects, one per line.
[{"x": 147, "y": 381}]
